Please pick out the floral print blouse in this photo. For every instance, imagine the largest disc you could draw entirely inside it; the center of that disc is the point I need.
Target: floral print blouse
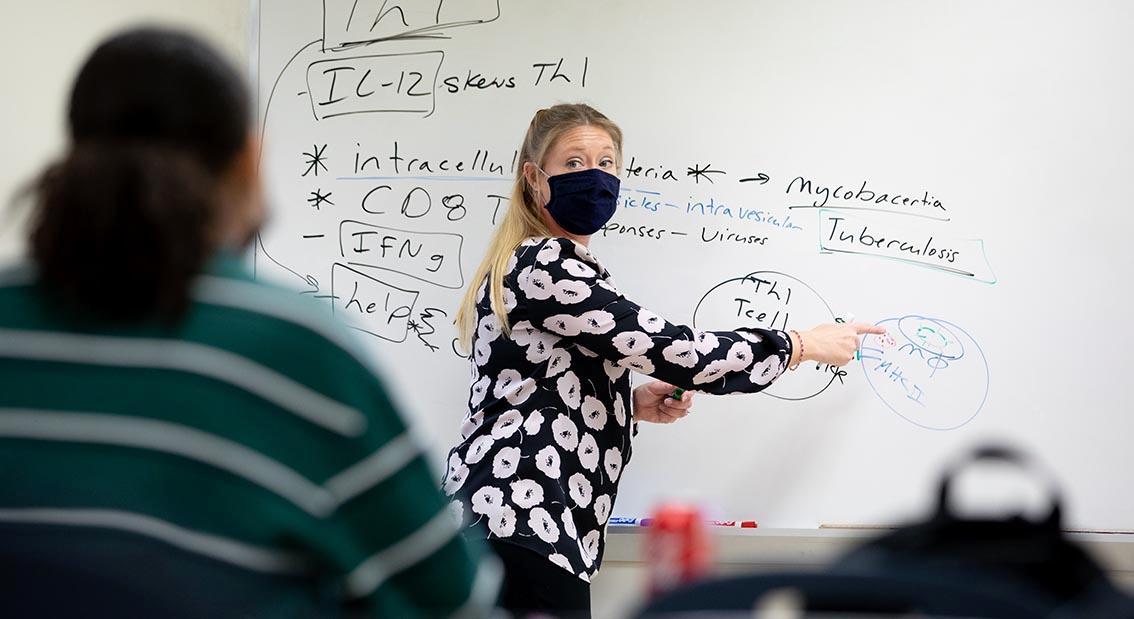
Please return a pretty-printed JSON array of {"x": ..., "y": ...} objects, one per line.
[{"x": 548, "y": 428}]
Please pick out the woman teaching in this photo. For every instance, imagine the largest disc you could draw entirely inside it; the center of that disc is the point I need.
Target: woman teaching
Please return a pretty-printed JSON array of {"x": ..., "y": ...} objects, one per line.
[{"x": 551, "y": 413}]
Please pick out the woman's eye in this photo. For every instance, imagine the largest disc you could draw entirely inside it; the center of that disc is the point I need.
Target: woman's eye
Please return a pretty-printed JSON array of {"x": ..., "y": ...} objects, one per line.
[
  {"x": 606, "y": 163},
  {"x": 574, "y": 163}
]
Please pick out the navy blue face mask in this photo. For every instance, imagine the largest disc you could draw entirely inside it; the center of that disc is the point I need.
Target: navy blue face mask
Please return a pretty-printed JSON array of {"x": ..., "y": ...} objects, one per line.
[{"x": 582, "y": 202}]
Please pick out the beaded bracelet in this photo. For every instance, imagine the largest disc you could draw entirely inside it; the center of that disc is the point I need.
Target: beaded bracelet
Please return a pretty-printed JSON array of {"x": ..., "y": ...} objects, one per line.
[{"x": 799, "y": 339}]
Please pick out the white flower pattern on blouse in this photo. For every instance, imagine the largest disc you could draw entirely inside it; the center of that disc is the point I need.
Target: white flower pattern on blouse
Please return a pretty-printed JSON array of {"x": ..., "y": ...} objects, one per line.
[{"x": 547, "y": 433}]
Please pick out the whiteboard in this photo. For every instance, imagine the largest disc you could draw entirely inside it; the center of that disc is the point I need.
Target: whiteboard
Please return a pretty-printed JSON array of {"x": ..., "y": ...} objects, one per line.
[{"x": 956, "y": 172}]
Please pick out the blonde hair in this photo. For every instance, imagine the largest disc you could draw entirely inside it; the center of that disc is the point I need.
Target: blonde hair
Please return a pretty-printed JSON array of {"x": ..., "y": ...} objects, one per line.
[{"x": 523, "y": 219}]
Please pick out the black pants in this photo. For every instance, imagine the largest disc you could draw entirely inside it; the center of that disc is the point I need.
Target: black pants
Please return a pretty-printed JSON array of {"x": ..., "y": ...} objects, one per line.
[{"x": 533, "y": 584}]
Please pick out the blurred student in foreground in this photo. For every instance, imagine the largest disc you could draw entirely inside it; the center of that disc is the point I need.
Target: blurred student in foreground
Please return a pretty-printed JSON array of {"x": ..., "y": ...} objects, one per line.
[{"x": 175, "y": 439}]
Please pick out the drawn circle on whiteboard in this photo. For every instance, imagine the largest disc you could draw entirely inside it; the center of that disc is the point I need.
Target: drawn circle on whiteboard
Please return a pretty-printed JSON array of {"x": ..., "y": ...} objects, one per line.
[
  {"x": 770, "y": 300},
  {"x": 931, "y": 336},
  {"x": 928, "y": 371}
]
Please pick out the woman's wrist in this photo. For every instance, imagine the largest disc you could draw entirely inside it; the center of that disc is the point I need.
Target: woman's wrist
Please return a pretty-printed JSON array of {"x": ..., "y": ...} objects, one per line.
[{"x": 797, "y": 349}]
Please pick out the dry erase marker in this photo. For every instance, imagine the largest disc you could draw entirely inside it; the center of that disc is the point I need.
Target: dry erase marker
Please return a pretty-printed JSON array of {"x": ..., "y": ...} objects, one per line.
[
  {"x": 740, "y": 524},
  {"x": 633, "y": 522},
  {"x": 645, "y": 522},
  {"x": 677, "y": 393}
]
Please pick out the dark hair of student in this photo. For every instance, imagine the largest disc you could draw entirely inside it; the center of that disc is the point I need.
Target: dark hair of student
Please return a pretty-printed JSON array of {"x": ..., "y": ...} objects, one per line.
[{"x": 129, "y": 215}]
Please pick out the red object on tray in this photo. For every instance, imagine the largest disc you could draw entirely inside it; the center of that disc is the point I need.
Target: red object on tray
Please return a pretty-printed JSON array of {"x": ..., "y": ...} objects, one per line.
[{"x": 677, "y": 547}]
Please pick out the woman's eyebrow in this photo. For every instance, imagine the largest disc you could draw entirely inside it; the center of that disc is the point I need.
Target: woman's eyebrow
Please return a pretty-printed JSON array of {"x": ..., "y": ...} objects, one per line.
[{"x": 578, "y": 150}]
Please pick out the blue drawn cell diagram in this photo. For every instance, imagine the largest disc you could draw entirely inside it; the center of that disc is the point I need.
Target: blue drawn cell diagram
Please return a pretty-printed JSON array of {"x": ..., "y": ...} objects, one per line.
[{"x": 929, "y": 371}]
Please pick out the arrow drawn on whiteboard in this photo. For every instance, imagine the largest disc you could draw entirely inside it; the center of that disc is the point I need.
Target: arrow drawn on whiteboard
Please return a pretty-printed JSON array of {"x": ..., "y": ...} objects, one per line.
[{"x": 760, "y": 178}]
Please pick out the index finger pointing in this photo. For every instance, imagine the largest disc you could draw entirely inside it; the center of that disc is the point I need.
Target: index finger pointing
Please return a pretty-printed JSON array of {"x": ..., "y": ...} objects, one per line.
[{"x": 862, "y": 328}]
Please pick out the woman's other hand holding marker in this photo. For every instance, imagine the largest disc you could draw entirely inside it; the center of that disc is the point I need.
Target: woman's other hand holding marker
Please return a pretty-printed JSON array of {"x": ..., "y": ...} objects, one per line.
[{"x": 661, "y": 402}]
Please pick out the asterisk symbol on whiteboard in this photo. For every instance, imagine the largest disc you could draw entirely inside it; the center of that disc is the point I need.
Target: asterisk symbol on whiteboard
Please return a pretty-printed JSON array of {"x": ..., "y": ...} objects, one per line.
[
  {"x": 318, "y": 199},
  {"x": 315, "y": 159},
  {"x": 698, "y": 173},
  {"x": 414, "y": 326}
]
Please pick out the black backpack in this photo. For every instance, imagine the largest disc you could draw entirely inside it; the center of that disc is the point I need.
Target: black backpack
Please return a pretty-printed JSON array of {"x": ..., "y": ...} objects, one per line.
[
  {"x": 1016, "y": 556},
  {"x": 947, "y": 566}
]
